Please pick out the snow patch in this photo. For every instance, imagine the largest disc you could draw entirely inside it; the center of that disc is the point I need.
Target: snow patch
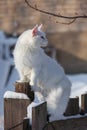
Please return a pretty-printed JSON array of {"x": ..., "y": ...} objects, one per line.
[
  {"x": 29, "y": 111},
  {"x": 14, "y": 95},
  {"x": 29, "y": 108},
  {"x": 79, "y": 85}
]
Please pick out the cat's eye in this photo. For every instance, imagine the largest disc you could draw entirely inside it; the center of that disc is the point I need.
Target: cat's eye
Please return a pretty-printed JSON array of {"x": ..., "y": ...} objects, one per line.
[{"x": 42, "y": 37}]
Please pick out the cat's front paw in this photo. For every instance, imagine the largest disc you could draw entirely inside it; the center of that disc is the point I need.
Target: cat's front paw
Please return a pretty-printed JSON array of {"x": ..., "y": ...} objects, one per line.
[{"x": 31, "y": 83}]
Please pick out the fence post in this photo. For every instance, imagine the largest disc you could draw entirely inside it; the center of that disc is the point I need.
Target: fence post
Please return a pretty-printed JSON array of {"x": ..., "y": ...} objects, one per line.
[
  {"x": 24, "y": 87},
  {"x": 16, "y": 109},
  {"x": 39, "y": 116},
  {"x": 73, "y": 107},
  {"x": 14, "y": 112},
  {"x": 84, "y": 103}
]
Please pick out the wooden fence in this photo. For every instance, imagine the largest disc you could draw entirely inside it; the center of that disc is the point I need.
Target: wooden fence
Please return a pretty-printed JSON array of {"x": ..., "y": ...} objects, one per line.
[{"x": 15, "y": 111}]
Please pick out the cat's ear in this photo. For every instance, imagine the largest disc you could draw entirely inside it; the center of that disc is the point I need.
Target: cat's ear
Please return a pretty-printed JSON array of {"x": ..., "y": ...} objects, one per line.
[
  {"x": 40, "y": 27},
  {"x": 35, "y": 30}
]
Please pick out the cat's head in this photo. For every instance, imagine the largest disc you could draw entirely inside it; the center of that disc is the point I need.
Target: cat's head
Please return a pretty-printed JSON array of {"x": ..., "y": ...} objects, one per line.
[
  {"x": 38, "y": 36},
  {"x": 34, "y": 37}
]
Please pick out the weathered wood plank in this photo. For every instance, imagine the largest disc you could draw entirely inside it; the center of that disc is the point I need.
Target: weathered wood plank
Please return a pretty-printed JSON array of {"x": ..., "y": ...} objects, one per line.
[
  {"x": 39, "y": 116},
  {"x": 84, "y": 103},
  {"x": 24, "y": 87},
  {"x": 14, "y": 112},
  {"x": 73, "y": 107},
  {"x": 70, "y": 124}
]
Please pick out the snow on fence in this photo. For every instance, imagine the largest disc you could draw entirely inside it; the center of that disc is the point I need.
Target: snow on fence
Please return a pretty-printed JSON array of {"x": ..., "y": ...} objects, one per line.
[{"x": 15, "y": 111}]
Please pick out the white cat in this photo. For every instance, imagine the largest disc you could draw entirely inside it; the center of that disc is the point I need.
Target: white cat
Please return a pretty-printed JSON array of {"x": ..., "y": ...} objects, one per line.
[{"x": 45, "y": 75}]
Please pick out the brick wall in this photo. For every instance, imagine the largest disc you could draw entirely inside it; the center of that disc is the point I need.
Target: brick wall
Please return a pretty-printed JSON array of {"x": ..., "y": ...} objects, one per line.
[{"x": 16, "y": 16}]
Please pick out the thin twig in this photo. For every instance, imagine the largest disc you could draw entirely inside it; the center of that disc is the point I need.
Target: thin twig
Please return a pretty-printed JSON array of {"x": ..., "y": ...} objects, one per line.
[
  {"x": 73, "y": 18},
  {"x": 67, "y": 23}
]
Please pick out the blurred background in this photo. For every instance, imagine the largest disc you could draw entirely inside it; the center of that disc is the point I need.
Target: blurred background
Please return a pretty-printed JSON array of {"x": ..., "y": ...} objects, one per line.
[{"x": 67, "y": 42}]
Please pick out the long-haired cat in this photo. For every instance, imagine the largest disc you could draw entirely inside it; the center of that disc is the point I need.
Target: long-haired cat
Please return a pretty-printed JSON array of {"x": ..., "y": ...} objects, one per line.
[{"x": 44, "y": 74}]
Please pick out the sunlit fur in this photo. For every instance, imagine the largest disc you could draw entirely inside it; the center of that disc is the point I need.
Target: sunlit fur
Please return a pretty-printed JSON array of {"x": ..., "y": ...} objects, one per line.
[{"x": 44, "y": 74}]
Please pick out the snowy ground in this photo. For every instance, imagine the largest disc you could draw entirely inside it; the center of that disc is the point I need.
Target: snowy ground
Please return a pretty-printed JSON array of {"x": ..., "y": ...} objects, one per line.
[{"x": 79, "y": 85}]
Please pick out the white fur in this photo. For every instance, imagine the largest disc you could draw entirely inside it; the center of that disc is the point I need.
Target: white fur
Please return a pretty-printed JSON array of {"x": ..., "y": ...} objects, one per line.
[{"x": 45, "y": 75}]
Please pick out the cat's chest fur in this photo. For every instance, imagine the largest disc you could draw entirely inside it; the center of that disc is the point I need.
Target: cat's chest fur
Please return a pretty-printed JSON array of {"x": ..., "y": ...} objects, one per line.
[{"x": 26, "y": 55}]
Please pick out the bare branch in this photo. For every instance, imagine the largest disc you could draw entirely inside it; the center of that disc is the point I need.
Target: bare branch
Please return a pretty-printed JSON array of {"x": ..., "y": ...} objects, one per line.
[
  {"x": 67, "y": 23},
  {"x": 73, "y": 18}
]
